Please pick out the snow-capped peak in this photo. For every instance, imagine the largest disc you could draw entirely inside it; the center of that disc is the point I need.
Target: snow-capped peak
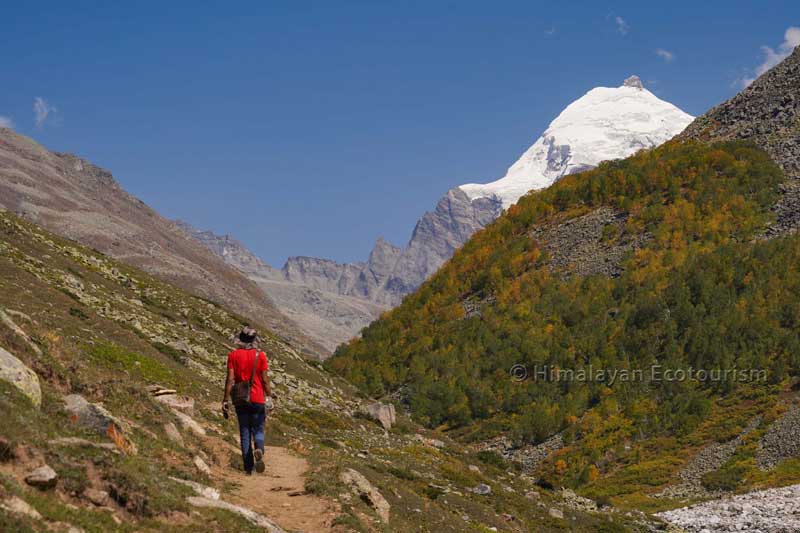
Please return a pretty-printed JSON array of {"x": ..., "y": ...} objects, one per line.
[{"x": 606, "y": 123}]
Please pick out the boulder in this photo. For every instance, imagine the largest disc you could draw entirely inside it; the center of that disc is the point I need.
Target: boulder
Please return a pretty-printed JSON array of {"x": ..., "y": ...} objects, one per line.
[
  {"x": 482, "y": 489},
  {"x": 97, "y": 497},
  {"x": 16, "y": 505},
  {"x": 93, "y": 416},
  {"x": 434, "y": 443},
  {"x": 187, "y": 422},
  {"x": 183, "y": 403},
  {"x": 201, "y": 465},
  {"x": 173, "y": 434},
  {"x": 555, "y": 513},
  {"x": 383, "y": 413},
  {"x": 20, "y": 376},
  {"x": 366, "y": 491},
  {"x": 43, "y": 477}
]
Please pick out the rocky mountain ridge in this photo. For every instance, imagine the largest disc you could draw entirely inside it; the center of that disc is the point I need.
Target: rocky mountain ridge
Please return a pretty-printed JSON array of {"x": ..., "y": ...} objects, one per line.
[{"x": 79, "y": 200}]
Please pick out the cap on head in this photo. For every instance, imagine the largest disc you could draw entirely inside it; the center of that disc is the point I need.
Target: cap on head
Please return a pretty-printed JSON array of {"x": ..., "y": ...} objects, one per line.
[{"x": 248, "y": 336}]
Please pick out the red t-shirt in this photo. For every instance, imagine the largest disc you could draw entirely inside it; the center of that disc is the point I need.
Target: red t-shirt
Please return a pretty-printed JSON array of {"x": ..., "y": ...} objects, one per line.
[{"x": 241, "y": 361}]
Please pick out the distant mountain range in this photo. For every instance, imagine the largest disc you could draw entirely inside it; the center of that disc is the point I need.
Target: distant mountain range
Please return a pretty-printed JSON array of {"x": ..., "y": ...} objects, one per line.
[{"x": 333, "y": 301}]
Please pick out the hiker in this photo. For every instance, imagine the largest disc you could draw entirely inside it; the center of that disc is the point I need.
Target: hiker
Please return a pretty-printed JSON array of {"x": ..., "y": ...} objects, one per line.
[{"x": 247, "y": 385}]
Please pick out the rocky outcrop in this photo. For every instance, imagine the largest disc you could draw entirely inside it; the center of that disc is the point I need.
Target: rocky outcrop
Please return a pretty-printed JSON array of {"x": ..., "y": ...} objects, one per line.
[
  {"x": 15, "y": 372},
  {"x": 768, "y": 511},
  {"x": 366, "y": 491},
  {"x": 318, "y": 295},
  {"x": 93, "y": 416},
  {"x": 382, "y": 413}
]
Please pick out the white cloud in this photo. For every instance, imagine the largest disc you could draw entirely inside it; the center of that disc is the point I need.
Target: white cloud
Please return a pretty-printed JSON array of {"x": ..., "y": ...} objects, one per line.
[
  {"x": 666, "y": 55},
  {"x": 6, "y": 122},
  {"x": 791, "y": 39},
  {"x": 550, "y": 31},
  {"x": 44, "y": 111},
  {"x": 622, "y": 26}
]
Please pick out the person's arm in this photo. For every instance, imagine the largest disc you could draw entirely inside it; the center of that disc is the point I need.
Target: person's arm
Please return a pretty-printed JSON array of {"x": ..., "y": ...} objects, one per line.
[
  {"x": 228, "y": 386},
  {"x": 265, "y": 381}
]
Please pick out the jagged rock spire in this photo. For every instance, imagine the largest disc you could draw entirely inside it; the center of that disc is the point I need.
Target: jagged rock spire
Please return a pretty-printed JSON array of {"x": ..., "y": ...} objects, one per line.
[{"x": 633, "y": 81}]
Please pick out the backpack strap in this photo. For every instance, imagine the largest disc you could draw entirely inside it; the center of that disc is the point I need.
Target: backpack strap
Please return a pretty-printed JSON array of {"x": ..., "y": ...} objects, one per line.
[{"x": 255, "y": 365}]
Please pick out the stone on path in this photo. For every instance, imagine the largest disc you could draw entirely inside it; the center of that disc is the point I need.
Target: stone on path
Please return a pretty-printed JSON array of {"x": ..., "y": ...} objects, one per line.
[
  {"x": 250, "y": 515},
  {"x": 365, "y": 490},
  {"x": 20, "y": 376}
]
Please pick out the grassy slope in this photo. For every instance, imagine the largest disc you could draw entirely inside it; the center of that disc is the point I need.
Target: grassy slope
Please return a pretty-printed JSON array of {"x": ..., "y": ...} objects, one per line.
[
  {"x": 701, "y": 293},
  {"x": 107, "y": 330}
]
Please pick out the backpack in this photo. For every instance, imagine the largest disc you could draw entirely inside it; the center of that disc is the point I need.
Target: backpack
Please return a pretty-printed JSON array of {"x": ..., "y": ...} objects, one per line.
[{"x": 241, "y": 391}]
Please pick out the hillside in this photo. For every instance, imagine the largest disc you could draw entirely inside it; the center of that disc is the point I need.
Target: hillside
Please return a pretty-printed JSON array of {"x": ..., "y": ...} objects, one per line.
[
  {"x": 651, "y": 264},
  {"x": 76, "y": 199},
  {"x": 110, "y": 382}
]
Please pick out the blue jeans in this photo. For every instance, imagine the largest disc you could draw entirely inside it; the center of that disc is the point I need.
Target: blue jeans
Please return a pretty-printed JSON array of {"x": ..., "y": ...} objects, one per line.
[{"x": 251, "y": 418}]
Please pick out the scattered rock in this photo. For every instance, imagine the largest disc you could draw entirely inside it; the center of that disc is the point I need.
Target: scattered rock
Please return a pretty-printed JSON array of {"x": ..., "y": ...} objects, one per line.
[
  {"x": 187, "y": 422},
  {"x": 201, "y": 465},
  {"x": 383, "y": 413},
  {"x": 253, "y": 517},
  {"x": 79, "y": 442},
  {"x": 5, "y": 319},
  {"x": 434, "y": 443},
  {"x": 20, "y": 376},
  {"x": 555, "y": 513},
  {"x": 473, "y": 468},
  {"x": 183, "y": 403},
  {"x": 578, "y": 502},
  {"x": 173, "y": 434},
  {"x": 532, "y": 495},
  {"x": 482, "y": 489},
  {"x": 200, "y": 489},
  {"x": 97, "y": 497},
  {"x": 781, "y": 441},
  {"x": 43, "y": 477},
  {"x": 17, "y": 505},
  {"x": 772, "y": 510},
  {"x": 93, "y": 416},
  {"x": 365, "y": 490}
]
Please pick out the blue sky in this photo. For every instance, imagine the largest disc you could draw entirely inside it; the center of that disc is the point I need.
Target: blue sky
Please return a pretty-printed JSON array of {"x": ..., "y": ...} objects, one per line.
[{"x": 312, "y": 128}]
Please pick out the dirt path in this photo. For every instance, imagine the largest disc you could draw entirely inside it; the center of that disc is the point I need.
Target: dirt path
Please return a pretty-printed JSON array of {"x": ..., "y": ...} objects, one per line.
[{"x": 277, "y": 493}]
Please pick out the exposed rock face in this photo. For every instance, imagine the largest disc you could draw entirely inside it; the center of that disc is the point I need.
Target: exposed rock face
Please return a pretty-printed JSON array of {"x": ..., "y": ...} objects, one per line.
[
  {"x": 92, "y": 415},
  {"x": 767, "y": 113},
  {"x": 14, "y": 371},
  {"x": 383, "y": 413},
  {"x": 319, "y": 295},
  {"x": 76, "y": 199},
  {"x": 16, "y": 505}
]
